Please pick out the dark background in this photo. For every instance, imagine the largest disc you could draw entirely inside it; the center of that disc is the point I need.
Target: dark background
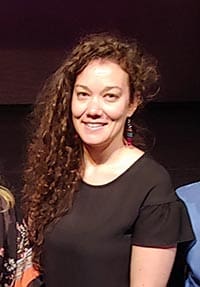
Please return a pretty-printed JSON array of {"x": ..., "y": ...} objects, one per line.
[{"x": 34, "y": 36}]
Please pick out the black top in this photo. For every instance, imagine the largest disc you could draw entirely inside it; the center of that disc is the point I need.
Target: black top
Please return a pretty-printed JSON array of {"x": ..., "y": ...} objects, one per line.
[{"x": 91, "y": 245}]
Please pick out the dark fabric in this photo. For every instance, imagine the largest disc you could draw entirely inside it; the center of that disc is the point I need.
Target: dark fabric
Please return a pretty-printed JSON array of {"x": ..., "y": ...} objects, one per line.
[
  {"x": 38, "y": 282},
  {"x": 91, "y": 245},
  {"x": 15, "y": 251},
  {"x": 162, "y": 217},
  {"x": 7, "y": 246}
]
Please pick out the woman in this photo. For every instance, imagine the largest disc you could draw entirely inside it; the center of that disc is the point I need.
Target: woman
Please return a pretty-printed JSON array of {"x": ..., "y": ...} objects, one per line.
[
  {"x": 100, "y": 210},
  {"x": 15, "y": 254}
]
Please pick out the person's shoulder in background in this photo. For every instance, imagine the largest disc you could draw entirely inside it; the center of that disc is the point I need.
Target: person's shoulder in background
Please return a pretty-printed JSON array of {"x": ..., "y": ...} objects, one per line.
[{"x": 190, "y": 195}]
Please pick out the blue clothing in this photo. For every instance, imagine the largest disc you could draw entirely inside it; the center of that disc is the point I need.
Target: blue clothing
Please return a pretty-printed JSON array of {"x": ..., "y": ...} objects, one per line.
[{"x": 190, "y": 194}]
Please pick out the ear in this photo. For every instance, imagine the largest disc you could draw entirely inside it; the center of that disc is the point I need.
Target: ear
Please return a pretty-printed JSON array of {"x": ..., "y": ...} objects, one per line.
[{"x": 134, "y": 104}]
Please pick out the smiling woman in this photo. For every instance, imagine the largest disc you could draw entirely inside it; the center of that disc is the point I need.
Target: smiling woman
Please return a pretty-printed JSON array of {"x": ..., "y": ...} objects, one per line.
[
  {"x": 101, "y": 104},
  {"x": 101, "y": 211}
]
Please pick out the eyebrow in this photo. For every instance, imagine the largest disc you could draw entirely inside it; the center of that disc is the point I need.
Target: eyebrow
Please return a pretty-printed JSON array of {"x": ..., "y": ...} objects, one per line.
[
  {"x": 84, "y": 87},
  {"x": 104, "y": 90}
]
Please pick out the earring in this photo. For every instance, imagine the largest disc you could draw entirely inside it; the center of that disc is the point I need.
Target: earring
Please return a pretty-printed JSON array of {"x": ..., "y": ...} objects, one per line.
[{"x": 129, "y": 132}]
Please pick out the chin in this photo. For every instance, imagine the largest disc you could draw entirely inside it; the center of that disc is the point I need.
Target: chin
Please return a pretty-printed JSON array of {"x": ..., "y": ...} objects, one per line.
[
  {"x": 94, "y": 140},
  {"x": 94, "y": 143}
]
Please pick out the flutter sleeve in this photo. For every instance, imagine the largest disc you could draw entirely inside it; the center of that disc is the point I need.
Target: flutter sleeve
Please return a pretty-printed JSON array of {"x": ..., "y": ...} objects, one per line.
[{"x": 163, "y": 220}]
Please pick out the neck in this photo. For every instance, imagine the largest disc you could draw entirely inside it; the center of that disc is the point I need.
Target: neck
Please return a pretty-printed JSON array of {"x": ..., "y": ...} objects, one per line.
[{"x": 95, "y": 155}]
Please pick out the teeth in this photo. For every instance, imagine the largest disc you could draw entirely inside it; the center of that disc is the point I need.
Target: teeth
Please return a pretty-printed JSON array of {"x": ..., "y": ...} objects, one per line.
[{"x": 94, "y": 125}]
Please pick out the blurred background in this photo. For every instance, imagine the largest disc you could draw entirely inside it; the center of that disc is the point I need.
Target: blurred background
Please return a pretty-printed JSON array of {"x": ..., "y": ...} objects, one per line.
[{"x": 34, "y": 38}]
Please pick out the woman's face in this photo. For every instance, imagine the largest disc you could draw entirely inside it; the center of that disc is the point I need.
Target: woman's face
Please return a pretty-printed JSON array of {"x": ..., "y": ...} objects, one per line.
[{"x": 100, "y": 103}]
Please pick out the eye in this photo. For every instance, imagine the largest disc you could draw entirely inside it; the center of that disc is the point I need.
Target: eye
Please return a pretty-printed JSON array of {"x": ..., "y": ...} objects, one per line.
[
  {"x": 111, "y": 97},
  {"x": 82, "y": 95}
]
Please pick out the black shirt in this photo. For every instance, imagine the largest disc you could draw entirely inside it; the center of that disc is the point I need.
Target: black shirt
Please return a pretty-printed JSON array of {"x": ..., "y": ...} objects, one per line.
[{"x": 91, "y": 245}]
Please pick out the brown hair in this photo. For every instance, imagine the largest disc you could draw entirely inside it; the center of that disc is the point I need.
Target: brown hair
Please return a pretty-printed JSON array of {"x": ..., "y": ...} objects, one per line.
[{"x": 54, "y": 164}]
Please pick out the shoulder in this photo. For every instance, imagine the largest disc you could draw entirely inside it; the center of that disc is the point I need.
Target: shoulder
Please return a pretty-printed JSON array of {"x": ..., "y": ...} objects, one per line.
[
  {"x": 155, "y": 168},
  {"x": 155, "y": 179},
  {"x": 151, "y": 171},
  {"x": 190, "y": 193}
]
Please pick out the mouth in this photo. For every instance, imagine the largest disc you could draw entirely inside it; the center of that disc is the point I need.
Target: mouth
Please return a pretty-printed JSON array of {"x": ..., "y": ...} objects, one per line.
[{"x": 94, "y": 125}]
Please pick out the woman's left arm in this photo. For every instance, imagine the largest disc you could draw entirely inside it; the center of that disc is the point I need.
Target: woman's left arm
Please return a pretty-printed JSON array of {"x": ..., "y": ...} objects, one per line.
[{"x": 151, "y": 267}]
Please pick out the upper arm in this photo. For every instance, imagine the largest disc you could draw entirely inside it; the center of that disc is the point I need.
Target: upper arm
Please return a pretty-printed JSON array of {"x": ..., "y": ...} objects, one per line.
[{"x": 151, "y": 267}]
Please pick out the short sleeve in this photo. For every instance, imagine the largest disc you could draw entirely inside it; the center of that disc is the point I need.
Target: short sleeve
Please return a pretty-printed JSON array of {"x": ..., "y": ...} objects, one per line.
[
  {"x": 162, "y": 225},
  {"x": 163, "y": 219}
]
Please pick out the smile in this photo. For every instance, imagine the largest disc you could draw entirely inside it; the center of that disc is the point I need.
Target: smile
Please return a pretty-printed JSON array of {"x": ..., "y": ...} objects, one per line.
[{"x": 94, "y": 125}]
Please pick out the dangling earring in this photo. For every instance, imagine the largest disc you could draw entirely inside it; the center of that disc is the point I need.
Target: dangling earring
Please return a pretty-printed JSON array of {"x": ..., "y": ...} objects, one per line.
[{"x": 129, "y": 132}]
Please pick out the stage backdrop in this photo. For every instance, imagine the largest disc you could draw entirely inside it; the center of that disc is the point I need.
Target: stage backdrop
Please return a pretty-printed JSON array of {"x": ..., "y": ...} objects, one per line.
[{"x": 34, "y": 36}]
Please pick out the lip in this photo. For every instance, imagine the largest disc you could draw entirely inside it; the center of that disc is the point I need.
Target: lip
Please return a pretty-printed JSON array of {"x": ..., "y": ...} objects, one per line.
[{"x": 94, "y": 125}]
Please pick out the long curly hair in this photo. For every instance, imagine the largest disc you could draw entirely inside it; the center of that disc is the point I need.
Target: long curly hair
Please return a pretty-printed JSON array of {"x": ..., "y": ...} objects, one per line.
[{"x": 55, "y": 156}]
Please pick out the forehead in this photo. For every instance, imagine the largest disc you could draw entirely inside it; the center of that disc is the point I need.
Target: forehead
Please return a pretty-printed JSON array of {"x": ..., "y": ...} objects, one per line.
[{"x": 104, "y": 70}]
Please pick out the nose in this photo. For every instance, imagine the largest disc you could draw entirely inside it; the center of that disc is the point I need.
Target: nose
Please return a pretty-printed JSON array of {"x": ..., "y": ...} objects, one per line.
[{"x": 94, "y": 108}]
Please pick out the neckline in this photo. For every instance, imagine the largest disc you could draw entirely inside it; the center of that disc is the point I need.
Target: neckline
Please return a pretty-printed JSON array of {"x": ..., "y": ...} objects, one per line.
[{"x": 133, "y": 165}]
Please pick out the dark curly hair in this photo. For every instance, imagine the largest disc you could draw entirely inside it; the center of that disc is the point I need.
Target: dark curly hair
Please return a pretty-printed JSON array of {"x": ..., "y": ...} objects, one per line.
[{"x": 54, "y": 164}]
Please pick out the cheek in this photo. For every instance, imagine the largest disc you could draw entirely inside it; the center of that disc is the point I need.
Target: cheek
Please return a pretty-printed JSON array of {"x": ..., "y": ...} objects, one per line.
[
  {"x": 76, "y": 108},
  {"x": 117, "y": 112}
]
